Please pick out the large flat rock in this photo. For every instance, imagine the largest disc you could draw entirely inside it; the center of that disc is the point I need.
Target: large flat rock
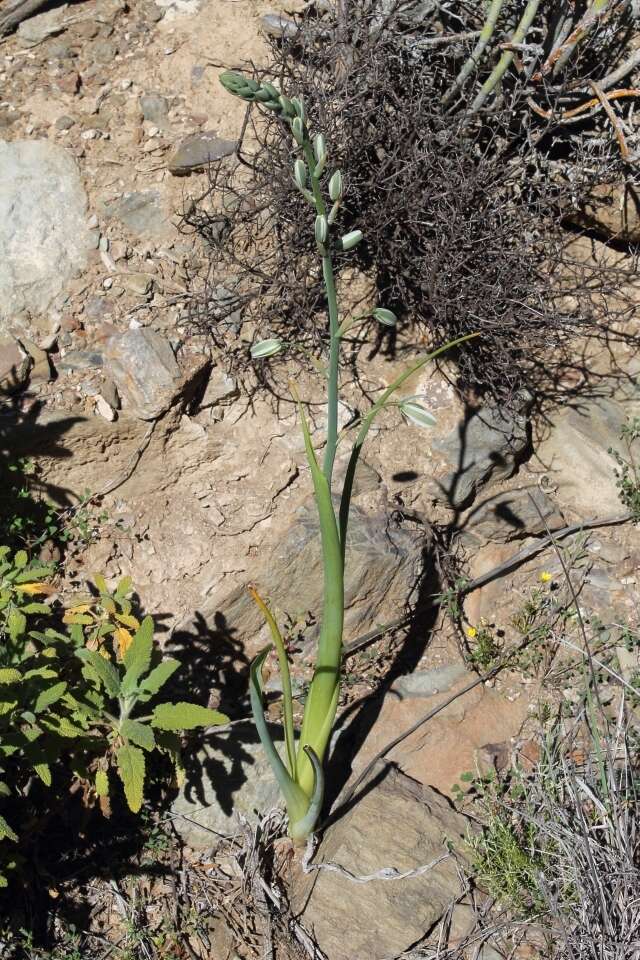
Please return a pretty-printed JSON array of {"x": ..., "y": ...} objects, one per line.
[{"x": 44, "y": 238}]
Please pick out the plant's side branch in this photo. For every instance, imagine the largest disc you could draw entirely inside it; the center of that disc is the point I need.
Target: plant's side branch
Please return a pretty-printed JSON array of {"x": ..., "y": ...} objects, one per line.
[
  {"x": 506, "y": 59},
  {"x": 477, "y": 52},
  {"x": 615, "y": 122}
]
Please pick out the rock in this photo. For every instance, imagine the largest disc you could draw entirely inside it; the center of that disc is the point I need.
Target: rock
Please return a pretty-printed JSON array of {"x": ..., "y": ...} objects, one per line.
[
  {"x": 381, "y": 570},
  {"x": 80, "y": 360},
  {"x": 612, "y": 210},
  {"x": 229, "y": 775},
  {"x": 40, "y": 369},
  {"x": 146, "y": 372},
  {"x": 199, "y": 150},
  {"x": 138, "y": 283},
  {"x": 14, "y": 365},
  {"x": 104, "y": 51},
  {"x": 105, "y": 409},
  {"x": 486, "y": 446},
  {"x": 141, "y": 211},
  {"x": 176, "y": 8},
  {"x": 34, "y": 30},
  {"x": 44, "y": 237},
  {"x": 279, "y": 26},
  {"x": 97, "y": 308},
  {"x": 427, "y": 683},
  {"x": 396, "y": 823},
  {"x": 110, "y": 393},
  {"x": 220, "y": 388},
  {"x": 438, "y": 752},
  {"x": 511, "y": 515},
  {"x": 64, "y": 122},
  {"x": 575, "y": 454},
  {"x": 155, "y": 109}
]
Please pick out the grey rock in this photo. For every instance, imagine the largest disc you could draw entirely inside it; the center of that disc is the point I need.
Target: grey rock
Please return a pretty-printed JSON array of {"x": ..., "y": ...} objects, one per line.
[
  {"x": 487, "y": 446},
  {"x": 59, "y": 50},
  {"x": 14, "y": 365},
  {"x": 426, "y": 683},
  {"x": 104, "y": 51},
  {"x": 34, "y": 30},
  {"x": 141, "y": 211},
  {"x": 64, "y": 122},
  {"x": 397, "y": 823},
  {"x": 511, "y": 515},
  {"x": 145, "y": 371},
  {"x": 576, "y": 453},
  {"x": 197, "y": 74},
  {"x": 199, "y": 150},
  {"x": 110, "y": 393},
  {"x": 155, "y": 108},
  {"x": 381, "y": 570},
  {"x": 138, "y": 283},
  {"x": 229, "y": 775},
  {"x": 277, "y": 25},
  {"x": 80, "y": 360},
  {"x": 44, "y": 239}
]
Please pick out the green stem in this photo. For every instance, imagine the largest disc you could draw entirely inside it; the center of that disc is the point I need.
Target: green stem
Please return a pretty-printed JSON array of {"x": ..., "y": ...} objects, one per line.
[
  {"x": 478, "y": 50},
  {"x": 506, "y": 59}
]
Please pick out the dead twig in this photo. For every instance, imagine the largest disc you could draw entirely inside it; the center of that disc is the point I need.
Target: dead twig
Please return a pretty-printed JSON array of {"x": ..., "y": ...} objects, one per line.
[{"x": 615, "y": 122}]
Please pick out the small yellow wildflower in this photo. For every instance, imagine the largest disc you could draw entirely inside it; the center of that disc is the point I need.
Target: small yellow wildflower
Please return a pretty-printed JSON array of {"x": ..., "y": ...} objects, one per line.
[
  {"x": 545, "y": 576},
  {"x": 472, "y": 632}
]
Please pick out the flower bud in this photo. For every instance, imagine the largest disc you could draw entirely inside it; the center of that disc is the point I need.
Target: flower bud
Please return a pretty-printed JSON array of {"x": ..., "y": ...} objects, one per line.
[
  {"x": 300, "y": 173},
  {"x": 298, "y": 106},
  {"x": 266, "y": 348},
  {"x": 287, "y": 106},
  {"x": 351, "y": 240},
  {"x": 320, "y": 148},
  {"x": 335, "y": 186},
  {"x": 384, "y": 316},
  {"x": 322, "y": 230},
  {"x": 297, "y": 128},
  {"x": 416, "y": 414}
]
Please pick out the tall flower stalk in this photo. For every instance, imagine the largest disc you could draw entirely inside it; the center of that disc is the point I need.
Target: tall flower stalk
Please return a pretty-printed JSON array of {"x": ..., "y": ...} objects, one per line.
[{"x": 300, "y": 774}]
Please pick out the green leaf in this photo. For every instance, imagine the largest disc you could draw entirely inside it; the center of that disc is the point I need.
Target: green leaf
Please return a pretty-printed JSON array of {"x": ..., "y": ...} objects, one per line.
[
  {"x": 49, "y": 696},
  {"x": 9, "y": 675},
  {"x": 123, "y": 588},
  {"x": 64, "y": 728},
  {"x": 131, "y": 771},
  {"x": 6, "y": 706},
  {"x": 44, "y": 772},
  {"x": 21, "y": 559},
  {"x": 100, "y": 583},
  {"x": 102, "y": 783},
  {"x": 4, "y": 790},
  {"x": 138, "y": 733},
  {"x": 36, "y": 608},
  {"x": 266, "y": 348},
  {"x": 185, "y": 716},
  {"x": 103, "y": 668},
  {"x": 157, "y": 679},
  {"x": 6, "y": 832},
  {"x": 33, "y": 573},
  {"x": 16, "y": 623},
  {"x": 137, "y": 659}
]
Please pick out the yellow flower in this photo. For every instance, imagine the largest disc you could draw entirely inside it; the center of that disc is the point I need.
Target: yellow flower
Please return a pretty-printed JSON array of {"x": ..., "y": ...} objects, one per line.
[
  {"x": 472, "y": 632},
  {"x": 545, "y": 576}
]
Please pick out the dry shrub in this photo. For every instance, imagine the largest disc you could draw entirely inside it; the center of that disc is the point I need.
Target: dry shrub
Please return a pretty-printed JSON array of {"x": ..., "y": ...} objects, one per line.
[{"x": 461, "y": 210}]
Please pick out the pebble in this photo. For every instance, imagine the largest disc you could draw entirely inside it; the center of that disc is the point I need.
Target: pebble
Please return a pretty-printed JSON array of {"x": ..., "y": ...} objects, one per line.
[
  {"x": 126, "y": 84},
  {"x": 107, "y": 283},
  {"x": 199, "y": 150},
  {"x": 92, "y": 222},
  {"x": 91, "y": 134},
  {"x": 64, "y": 123},
  {"x": 105, "y": 409}
]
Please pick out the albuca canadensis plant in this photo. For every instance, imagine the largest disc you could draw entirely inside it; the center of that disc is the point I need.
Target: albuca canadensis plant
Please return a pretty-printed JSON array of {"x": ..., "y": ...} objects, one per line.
[{"x": 300, "y": 776}]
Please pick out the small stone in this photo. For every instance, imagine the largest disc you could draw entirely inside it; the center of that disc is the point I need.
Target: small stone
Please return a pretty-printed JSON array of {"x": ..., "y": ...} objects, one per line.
[
  {"x": 220, "y": 388},
  {"x": 64, "y": 122},
  {"x": 104, "y": 243},
  {"x": 110, "y": 394},
  {"x": 145, "y": 371},
  {"x": 40, "y": 368},
  {"x": 141, "y": 211},
  {"x": 96, "y": 308},
  {"x": 426, "y": 683},
  {"x": 35, "y": 30},
  {"x": 155, "y": 108},
  {"x": 80, "y": 360},
  {"x": 197, "y": 74},
  {"x": 105, "y": 409},
  {"x": 91, "y": 134},
  {"x": 138, "y": 283},
  {"x": 198, "y": 151},
  {"x": 92, "y": 222},
  {"x": 107, "y": 283},
  {"x": 126, "y": 84},
  {"x": 104, "y": 51},
  {"x": 49, "y": 343},
  {"x": 279, "y": 26},
  {"x": 59, "y": 50},
  {"x": 87, "y": 30}
]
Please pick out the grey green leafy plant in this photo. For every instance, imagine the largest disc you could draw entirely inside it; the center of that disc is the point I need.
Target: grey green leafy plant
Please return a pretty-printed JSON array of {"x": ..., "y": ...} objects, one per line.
[
  {"x": 300, "y": 775},
  {"x": 627, "y": 473}
]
